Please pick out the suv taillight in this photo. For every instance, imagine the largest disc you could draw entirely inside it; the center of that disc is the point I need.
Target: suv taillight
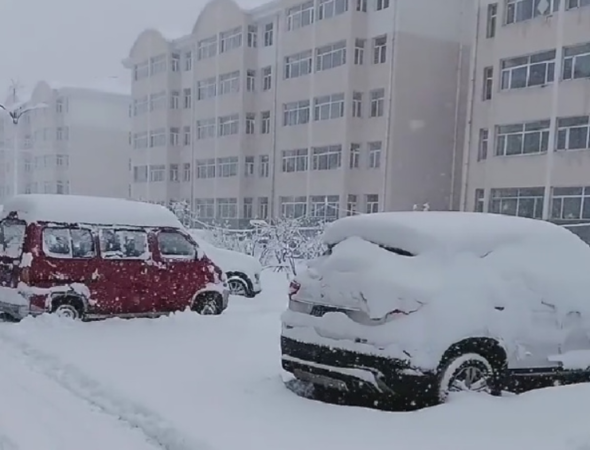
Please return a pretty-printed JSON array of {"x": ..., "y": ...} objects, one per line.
[{"x": 293, "y": 288}]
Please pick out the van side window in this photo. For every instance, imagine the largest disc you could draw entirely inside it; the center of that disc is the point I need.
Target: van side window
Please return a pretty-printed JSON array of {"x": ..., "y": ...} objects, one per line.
[
  {"x": 68, "y": 243},
  {"x": 12, "y": 238},
  {"x": 123, "y": 244},
  {"x": 174, "y": 245}
]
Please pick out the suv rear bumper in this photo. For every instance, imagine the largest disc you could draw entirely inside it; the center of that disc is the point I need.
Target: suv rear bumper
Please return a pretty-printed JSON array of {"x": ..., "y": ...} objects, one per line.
[{"x": 351, "y": 371}]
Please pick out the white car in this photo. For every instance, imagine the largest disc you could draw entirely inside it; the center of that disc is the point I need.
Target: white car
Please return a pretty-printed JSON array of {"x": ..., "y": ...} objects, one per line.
[
  {"x": 405, "y": 304},
  {"x": 242, "y": 271}
]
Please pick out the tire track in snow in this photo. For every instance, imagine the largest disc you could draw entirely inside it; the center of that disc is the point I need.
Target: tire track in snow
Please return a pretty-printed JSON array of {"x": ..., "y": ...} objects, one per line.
[{"x": 152, "y": 425}]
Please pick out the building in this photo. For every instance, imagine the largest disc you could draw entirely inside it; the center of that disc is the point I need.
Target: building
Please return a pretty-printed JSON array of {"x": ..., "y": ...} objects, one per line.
[
  {"x": 78, "y": 143},
  {"x": 317, "y": 108},
  {"x": 528, "y": 140}
]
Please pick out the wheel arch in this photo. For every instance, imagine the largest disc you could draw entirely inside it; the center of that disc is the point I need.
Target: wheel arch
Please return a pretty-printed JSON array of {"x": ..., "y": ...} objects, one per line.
[
  {"x": 73, "y": 298},
  {"x": 490, "y": 348},
  {"x": 236, "y": 275}
]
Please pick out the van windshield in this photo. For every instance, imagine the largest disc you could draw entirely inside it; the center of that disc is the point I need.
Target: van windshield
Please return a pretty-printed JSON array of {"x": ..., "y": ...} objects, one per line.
[{"x": 12, "y": 238}]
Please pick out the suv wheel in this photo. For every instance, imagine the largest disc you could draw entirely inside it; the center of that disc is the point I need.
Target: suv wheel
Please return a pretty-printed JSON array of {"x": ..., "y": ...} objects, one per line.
[{"x": 466, "y": 373}]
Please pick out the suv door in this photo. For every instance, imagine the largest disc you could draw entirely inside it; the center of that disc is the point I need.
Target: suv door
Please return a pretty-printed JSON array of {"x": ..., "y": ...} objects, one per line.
[{"x": 182, "y": 270}]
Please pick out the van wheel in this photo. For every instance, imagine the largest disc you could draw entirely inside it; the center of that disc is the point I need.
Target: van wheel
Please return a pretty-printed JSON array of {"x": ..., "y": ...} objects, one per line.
[
  {"x": 68, "y": 308},
  {"x": 469, "y": 372},
  {"x": 208, "y": 304}
]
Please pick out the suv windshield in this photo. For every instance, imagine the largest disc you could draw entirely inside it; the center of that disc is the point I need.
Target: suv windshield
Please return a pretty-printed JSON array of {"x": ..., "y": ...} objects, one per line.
[{"x": 12, "y": 238}]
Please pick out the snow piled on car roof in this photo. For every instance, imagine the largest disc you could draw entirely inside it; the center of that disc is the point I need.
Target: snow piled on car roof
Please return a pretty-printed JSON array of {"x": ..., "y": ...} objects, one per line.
[{"x": 89, "y": 210}]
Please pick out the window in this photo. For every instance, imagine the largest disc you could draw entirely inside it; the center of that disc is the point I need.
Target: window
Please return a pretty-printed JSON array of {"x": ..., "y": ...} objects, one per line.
[
  {"x": 173, "y": 245},
  {"x": 175, "y": 100},
  {"x": 331, "y": 8},
  {"x": 229, "y": 40},
  {"x": 68, "y": 243},
  {"x": 328, "y": 107},
  {"x": 491, "y": 20},
  {"x": 157, "y": 64},
  {"x": 300, "y": 16},
  {"x": 295, "y": 160},
  {"x": 298, "y": 64},
  {"x": 140, "y": 174},
  {"x": 188, "y": 101},
  {"x": 174, "y": 137},
  {"x": 267, "y": 78},
  {"x": 206, "y": 88},
  {"x": 141, "y": 71},
  {"x": 573, "y": 133},
  {"x": 123, "y": 244},
  {"x": 250, "y": 123},
  {"x": 380, "y": 50},
  {"x": 249, "y": 166},
  {"x": 571, "y": 4},
  {"x": 351, "y": 205},
  {"x": 248, "y": 208},
  {"x": 265, "y": 122},
  {"x": 186, "y": 131},
  {"x": 354, "y": 156},
  {"x": 522, "y": 202},
  {"x": 251, "y": 80},
  {"x": 372, "y": 203},
  {"x": 207, "y": 48},
  {"x": 186, "y": 172},
  {"x": 175, "y": 61},
  {"x": 158, "y": 101},
  {"x": 576, "y": 62},
  {"x": 264, "y": 167},
  {"x": 521, "y": 10},
  {"x": 174, "y": 173},
  {"x": 361, "y": 5},
  {"x": 570, "y": 203},
  {"x": 488, "y": 83},
  {"x": 268, "y": 35},
  {"x": 357, "y": 104},
  {"x": 62, "y": 133},
  {"x": 327, "y": 157},
  {"x": 483, "y": 144},
  {"x": 158, "y": 137},
  {"x": 227, "y": 208},
  {"x": 205, "y": 168},
  {"x": 206, "y": 128},
  {"x": 140, "y": 106},
  {"x": 59, "y": 105},
  {"x": 12, "y": 238},
  {"x": 227, "y": 167},
  {"x": 252, "y": 36},
  {"x": 375, "y": 154},
  {"x": 324, "y": 207},
  {"x": 158, "y": 173},
  {"x": 205, "y": 208},
  {"x": 526, "y": 71},
  {"x": 522, "y": 138},
  {"x": 377, "y": 102},
  {"x": 330, "y": 56},
  {"x": 293, "y": 207},
  {"x": 296, "y": 113},
  {"x": 359, "y": 51},
  {"x": 188, "y": 61},
  {"x": 262, "y": 207},
  {"x": 382, "y": 4},
  {"x": 479, "y": 202},
  {"x": 229, "y": 82},
  {"x": 229, "y": 125}
]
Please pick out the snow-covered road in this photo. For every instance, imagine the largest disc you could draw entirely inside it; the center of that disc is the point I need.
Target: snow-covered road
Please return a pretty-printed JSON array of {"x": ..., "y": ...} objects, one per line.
[{"x": 214, "y": 383}]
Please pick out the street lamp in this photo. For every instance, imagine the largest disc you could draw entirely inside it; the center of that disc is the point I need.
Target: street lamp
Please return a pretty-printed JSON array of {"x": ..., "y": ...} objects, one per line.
[{"x": 15, "y": 112}]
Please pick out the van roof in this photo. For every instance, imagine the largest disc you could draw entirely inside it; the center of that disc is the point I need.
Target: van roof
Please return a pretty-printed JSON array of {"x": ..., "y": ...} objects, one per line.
[
  {"x": 422, "y": 231},
  {"x": 90, "y": 210}
]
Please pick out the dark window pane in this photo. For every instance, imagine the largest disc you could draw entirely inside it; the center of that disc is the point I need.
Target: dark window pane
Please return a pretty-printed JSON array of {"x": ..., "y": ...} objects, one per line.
[
  {"x": 526, "y": 207},
  {"x": 556, "y": 208},
  {"x": 571, "y": 207},
  {"x": 578, "y": 138},
  {"x": 582, "y": 67},
  {"x": 508, "y": 207},
  {"x": 514, "y": 144},
  {"x": 518, "y": 79},
  {"x": 586, "y": 208},
  {"x": 561, "y": 139}
]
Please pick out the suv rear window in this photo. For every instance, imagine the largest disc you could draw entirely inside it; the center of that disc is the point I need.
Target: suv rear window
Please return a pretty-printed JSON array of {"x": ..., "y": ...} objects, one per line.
[{"x": 12, "y": 238}]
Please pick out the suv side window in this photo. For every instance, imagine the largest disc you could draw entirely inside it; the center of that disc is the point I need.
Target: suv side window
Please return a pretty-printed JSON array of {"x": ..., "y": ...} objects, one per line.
[
  {"x": 174, "y": 245},
  {"x": 12, "y": 238},
  {"x": 123, "y": 244},
  {"x": 68, "y": 243}
]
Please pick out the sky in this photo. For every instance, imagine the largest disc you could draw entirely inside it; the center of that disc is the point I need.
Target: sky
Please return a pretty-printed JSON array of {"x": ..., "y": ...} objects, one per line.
[{"x": 78, "y": 41}]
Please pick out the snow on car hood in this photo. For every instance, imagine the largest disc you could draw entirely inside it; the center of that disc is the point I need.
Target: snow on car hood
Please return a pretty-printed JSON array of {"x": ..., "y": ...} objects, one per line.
[{"x": 230, "y": 261}]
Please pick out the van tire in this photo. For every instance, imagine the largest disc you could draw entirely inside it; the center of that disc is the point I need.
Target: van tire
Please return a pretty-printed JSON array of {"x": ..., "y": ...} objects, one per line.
[
  {"x": 208, "y": 304},
  {"x": 68, "y": 307}
]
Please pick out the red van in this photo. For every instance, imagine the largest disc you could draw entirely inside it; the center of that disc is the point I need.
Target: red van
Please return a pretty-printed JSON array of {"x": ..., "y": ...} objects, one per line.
[{"x": 92, "y": 257}]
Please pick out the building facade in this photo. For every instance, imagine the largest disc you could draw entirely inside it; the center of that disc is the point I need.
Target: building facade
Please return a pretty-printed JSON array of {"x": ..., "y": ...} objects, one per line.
[
  {"x": 77, "y": 144},
  {"x": 319, "y": 108},
  {"x": 528, "y": 139}
]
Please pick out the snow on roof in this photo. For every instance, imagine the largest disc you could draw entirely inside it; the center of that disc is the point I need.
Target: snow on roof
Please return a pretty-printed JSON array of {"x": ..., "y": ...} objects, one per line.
[
  {"x": 91, "y": 210},
  {"x": 107, "y": 85},
  {"x": 419, "y": 231}
]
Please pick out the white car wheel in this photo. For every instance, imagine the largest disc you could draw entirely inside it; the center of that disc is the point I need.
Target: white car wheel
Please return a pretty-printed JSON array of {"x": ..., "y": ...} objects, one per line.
[
  {"x": 237, "y": 287},
  {"x": 466, "y": 373}
]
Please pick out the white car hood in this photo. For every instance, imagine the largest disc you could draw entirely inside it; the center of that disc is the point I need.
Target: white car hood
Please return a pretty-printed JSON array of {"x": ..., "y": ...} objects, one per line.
[{"x": 230, "y": 261}]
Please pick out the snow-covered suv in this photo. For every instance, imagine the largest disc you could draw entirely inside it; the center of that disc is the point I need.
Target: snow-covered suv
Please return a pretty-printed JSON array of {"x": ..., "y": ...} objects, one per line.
[{"x": 431, "y": 302}]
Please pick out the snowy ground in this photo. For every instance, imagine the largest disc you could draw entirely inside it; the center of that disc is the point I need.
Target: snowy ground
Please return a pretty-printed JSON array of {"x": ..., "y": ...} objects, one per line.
[{"x": 214, "y": 383}]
